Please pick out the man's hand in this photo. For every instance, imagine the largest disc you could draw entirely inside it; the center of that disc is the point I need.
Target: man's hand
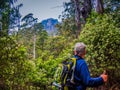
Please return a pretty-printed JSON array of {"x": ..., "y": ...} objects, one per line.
[{"x": 104, "y": 77}]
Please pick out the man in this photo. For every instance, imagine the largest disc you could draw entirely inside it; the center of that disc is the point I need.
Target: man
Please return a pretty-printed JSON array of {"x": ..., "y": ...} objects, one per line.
[{"x": 82, "y": 76}]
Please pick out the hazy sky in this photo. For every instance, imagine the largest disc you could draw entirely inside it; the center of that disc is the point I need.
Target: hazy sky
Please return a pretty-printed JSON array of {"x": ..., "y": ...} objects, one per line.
[{"x": 42, "y": 9}]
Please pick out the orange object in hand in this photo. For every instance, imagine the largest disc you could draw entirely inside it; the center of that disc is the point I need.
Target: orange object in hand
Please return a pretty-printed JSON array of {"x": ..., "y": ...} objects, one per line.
[{"x": 104, "y": 76}]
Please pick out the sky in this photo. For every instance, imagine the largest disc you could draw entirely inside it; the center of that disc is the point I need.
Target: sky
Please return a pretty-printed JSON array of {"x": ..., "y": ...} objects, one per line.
[{"x": 42, "y": 9}]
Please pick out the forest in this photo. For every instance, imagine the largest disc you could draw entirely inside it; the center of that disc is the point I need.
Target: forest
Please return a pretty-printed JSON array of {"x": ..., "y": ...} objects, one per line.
[{"x": 29, "y": 55}]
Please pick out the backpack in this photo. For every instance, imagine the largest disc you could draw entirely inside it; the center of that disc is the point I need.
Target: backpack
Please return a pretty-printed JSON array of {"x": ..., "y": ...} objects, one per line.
[{"x": 64, "y": 75}]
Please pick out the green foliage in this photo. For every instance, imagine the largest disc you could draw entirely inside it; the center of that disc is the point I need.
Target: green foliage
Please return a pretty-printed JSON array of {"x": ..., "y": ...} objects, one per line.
[
  {"x": 67, "y": 28},
  {"x": 56, "y": 49},
  {"x": 43, "y": 35},
  {"x": 14, "y": 69}
]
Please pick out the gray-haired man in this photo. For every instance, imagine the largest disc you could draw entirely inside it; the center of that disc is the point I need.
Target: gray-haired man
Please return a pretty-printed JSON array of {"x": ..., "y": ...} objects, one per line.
[{"x": 82, "y": 75}]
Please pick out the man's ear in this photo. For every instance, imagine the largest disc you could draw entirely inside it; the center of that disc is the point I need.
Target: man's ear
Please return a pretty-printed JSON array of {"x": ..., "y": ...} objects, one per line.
[
  {"x": 75, "y": 53},
  {"x": 85, "y": 52}
]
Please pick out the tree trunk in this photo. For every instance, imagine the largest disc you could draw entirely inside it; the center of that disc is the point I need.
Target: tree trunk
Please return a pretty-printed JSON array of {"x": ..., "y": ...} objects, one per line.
[
  {"x": 34, "y": 45},
  {"x": 86, "y": 9},
  {"x": 99, "y": 6},
  {"x": 77, "y": 17},
  {"x": 0, "y": 26}
]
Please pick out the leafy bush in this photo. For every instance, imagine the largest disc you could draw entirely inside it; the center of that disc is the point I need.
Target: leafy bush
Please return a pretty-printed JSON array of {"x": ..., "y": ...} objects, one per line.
[
  {"x": 102, "y": 38},
  {"x": 14, "y": 69}
]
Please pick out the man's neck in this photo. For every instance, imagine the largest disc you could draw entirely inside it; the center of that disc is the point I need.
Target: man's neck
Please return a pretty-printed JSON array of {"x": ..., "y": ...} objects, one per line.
[{"x": 82, "y": 56}]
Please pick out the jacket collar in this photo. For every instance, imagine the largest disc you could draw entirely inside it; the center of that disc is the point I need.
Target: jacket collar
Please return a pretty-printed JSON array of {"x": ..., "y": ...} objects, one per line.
[{"x": 77, "y": 57}]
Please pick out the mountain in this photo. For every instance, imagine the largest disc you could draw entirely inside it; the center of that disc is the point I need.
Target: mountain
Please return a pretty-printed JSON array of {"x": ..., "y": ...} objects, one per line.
[{"x": 49, "y": 25}]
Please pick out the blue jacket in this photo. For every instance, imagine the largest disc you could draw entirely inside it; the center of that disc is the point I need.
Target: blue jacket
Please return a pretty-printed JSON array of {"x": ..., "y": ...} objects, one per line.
[{"x": 82, "y": 76}]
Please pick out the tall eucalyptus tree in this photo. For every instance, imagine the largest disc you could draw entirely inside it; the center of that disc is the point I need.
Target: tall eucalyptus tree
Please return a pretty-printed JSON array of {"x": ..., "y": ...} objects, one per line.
[
  {"x": 15, "y": 17},
  {"x": 77, "y": 11},
  {"x": 9, "y": 13},
  {"x": 29, "y": 24},
  {"x": 77, "y": 16}
]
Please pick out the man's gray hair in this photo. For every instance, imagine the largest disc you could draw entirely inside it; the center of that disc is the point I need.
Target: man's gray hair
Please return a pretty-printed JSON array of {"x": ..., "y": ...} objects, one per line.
[{"x": 80, "y": 47}]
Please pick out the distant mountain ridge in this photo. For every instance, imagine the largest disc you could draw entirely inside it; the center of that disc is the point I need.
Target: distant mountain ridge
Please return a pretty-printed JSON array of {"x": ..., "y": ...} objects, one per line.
[{"x": 49, "y": 25}]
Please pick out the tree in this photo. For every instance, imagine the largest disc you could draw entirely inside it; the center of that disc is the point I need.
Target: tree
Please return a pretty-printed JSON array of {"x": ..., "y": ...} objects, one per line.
[
  {"x": 77, "y": 17},
  {"x": 86, "y": 9},
  {"x": 29, "y": 22},
  {"x": 77, "y": 11},
  {"x": 43, "y": 35},
  {"x": 6, "y": 6},
  {"x": 15, "y": 17}
]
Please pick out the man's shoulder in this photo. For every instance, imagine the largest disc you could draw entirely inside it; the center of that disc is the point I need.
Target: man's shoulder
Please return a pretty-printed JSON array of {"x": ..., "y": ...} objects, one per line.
[{"x": 81, "y": 60}]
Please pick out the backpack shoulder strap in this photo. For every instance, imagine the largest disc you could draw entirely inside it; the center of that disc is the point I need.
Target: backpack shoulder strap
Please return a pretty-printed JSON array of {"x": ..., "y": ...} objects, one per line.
[
  {"x": 73, "y": 68},
  {"x": 66, "y": 74}
]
